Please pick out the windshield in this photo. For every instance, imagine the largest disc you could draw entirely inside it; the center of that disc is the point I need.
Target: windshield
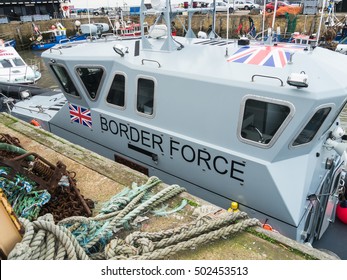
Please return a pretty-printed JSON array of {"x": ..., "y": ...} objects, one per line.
[{"x": 343, "y": 41}]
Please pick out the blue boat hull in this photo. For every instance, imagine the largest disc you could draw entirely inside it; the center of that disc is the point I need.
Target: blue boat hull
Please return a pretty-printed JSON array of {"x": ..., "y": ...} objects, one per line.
[
  {"x": 11, "y": 43},
  {"x": 41, "y": 46}
]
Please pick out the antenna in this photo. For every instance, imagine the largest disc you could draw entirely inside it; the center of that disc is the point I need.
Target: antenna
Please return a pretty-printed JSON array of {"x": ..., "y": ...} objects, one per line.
[
  {"x": 90, "y": 28},
  {"x": 226, "y": 48},
  {"x": 274, "y": 16},
  {"x": 263, "y": 27},
  {"x": 320, "y": 22}
]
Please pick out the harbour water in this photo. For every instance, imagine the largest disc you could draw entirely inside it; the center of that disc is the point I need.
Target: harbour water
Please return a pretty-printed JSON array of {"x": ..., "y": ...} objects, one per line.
[
  {"x": 337, "y": 233},
  {"x": 34, "y": 57}
]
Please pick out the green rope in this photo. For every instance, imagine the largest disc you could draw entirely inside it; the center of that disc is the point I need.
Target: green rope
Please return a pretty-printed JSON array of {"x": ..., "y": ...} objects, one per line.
[
  {"x": 120, "y": 200},
  {"x": 93, "y": 234},
  {"x": 22, "y": 195},
  {"x": 291, "y": 22},
  {"x": 164, "y": 212},
  {"x": 14, "y": 149}
]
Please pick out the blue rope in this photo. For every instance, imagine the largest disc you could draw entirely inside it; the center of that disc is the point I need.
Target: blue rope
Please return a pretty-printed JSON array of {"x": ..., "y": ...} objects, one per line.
[{"x": 22, "y": 195}]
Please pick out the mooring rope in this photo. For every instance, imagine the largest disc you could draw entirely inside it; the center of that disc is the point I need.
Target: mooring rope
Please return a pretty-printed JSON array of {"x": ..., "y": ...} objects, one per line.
[
  {"x": 46, "y": 241},
  {"x": 143, "y": 246},
  {"x": 95, "y": 238}
]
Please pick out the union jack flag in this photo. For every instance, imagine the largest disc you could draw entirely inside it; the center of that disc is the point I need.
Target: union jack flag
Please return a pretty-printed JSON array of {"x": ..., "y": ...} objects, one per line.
[
  {"x": 273, "y": 56},
  {"x": 80, "y": 115}
]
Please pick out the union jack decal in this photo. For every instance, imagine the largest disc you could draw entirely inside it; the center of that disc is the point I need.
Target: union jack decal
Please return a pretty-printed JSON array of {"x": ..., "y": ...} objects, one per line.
[
  {"x": 80, "y": 115},
  {"x": 273, "y": 56}
]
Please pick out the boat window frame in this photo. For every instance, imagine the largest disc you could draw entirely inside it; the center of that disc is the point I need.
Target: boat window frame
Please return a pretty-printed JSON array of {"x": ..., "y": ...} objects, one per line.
[
  {"x": 15, "y": 59},
  {"x": 63, "y": 88},
  {"x": 8, "y": 61},
  {"x": 279, "y": 131},
  {"x": 336, "y": 116},
  {"x": 102, "y": 81},
  {"x": 320, "y": 130},
  {"x": 125, "y": 91},
  {"x": 154, "y": 96}
]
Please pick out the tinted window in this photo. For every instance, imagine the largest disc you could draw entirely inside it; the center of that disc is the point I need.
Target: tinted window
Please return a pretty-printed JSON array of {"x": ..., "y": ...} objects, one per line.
[
  {"x": 91, "y": 79},
  {"x": 116, "y": 94},
  {"x": 311, "y": 128},
  {"x": 145, "y": 96},
  {"x": 18, "y": 62},
  {"x": 6, "y": 63},
  {"x": 64, "y": 79},
  {"x": 261, "y": 120}
]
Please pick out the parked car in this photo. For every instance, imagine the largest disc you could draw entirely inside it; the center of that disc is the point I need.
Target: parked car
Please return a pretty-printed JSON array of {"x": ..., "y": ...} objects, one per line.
[
  {"x": 342, "y": 46},
  {"x": 246, "y": 5},
  {"x": 270, "y": 7},
  {"x": 103, "y": 11},
  {"x": 222, "y": 7},
  {"x": 80, "y": 11}
]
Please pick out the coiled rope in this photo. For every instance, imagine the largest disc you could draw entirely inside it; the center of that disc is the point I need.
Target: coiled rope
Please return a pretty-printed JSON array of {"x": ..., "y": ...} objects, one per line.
[{"x": 43, "y": 240}]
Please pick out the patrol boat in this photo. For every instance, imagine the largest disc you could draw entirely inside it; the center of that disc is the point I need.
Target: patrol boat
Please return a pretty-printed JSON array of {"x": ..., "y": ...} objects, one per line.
[{"x": 232, "y": 121}]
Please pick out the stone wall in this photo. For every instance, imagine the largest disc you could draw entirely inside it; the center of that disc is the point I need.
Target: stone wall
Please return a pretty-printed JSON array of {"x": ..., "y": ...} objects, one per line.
[{"x": 309, "y": 23}]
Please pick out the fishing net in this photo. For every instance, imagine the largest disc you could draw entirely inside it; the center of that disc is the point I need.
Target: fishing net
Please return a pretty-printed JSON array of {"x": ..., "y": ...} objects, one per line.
[{"x": 291, "y": 22}]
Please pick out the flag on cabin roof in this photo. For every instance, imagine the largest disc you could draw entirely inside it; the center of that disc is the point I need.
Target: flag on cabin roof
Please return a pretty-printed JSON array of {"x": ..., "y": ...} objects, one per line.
[
  {"x": 80, "y": 115},
  {"x": 273, "y": 56}
]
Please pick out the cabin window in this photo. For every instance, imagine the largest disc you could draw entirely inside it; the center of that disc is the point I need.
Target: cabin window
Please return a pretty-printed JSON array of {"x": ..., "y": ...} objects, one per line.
[
  {"x": 116, "y": 94},
  {"x": 261, "y": 120},
  {"x": 64, "y": 79},
  {"x": 91, "y": 79},
  {"x": 6, "y": 63},
  {"x": 312, "y": 127},
  {"x": 18, "y": 62},
  {"x": 145, "y": 96}
]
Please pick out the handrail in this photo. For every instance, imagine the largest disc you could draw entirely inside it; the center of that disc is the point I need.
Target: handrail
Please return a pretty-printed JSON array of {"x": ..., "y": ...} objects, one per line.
[
  {"x": 150, "y": 60},
  {"x": 67, "y": 40},
  {"x": 265, "y": 76}
]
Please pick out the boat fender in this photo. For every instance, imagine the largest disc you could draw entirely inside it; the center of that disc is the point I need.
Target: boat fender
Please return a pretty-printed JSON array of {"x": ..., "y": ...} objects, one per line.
[
  {"x": 35, "y": 123},
  {"x": 341, "y": 211},
  {"x": 267, "y": 227}
]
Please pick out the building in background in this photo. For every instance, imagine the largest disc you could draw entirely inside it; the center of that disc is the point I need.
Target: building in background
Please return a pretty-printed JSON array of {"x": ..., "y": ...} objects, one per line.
[{"x": 14, "y": 9}]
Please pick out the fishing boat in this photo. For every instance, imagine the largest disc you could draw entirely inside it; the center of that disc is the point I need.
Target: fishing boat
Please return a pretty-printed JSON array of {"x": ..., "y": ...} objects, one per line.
[
  {"x": 255, "y": 123},
  {"x": 303, "y": 39},
  {"x": 43, "y": 40},
  {"x": 13, "y": 69},
  {"x": 10, "y": 43},
  {"x": 125, "y": 28}
]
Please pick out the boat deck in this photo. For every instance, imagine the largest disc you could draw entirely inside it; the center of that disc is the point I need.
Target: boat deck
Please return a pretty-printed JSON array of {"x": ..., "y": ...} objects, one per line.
[{"x": 99, "y": 179}]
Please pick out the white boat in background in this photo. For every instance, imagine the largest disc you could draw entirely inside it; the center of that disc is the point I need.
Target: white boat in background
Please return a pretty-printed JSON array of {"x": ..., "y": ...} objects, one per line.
[{"x": 13, "y": 69}]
